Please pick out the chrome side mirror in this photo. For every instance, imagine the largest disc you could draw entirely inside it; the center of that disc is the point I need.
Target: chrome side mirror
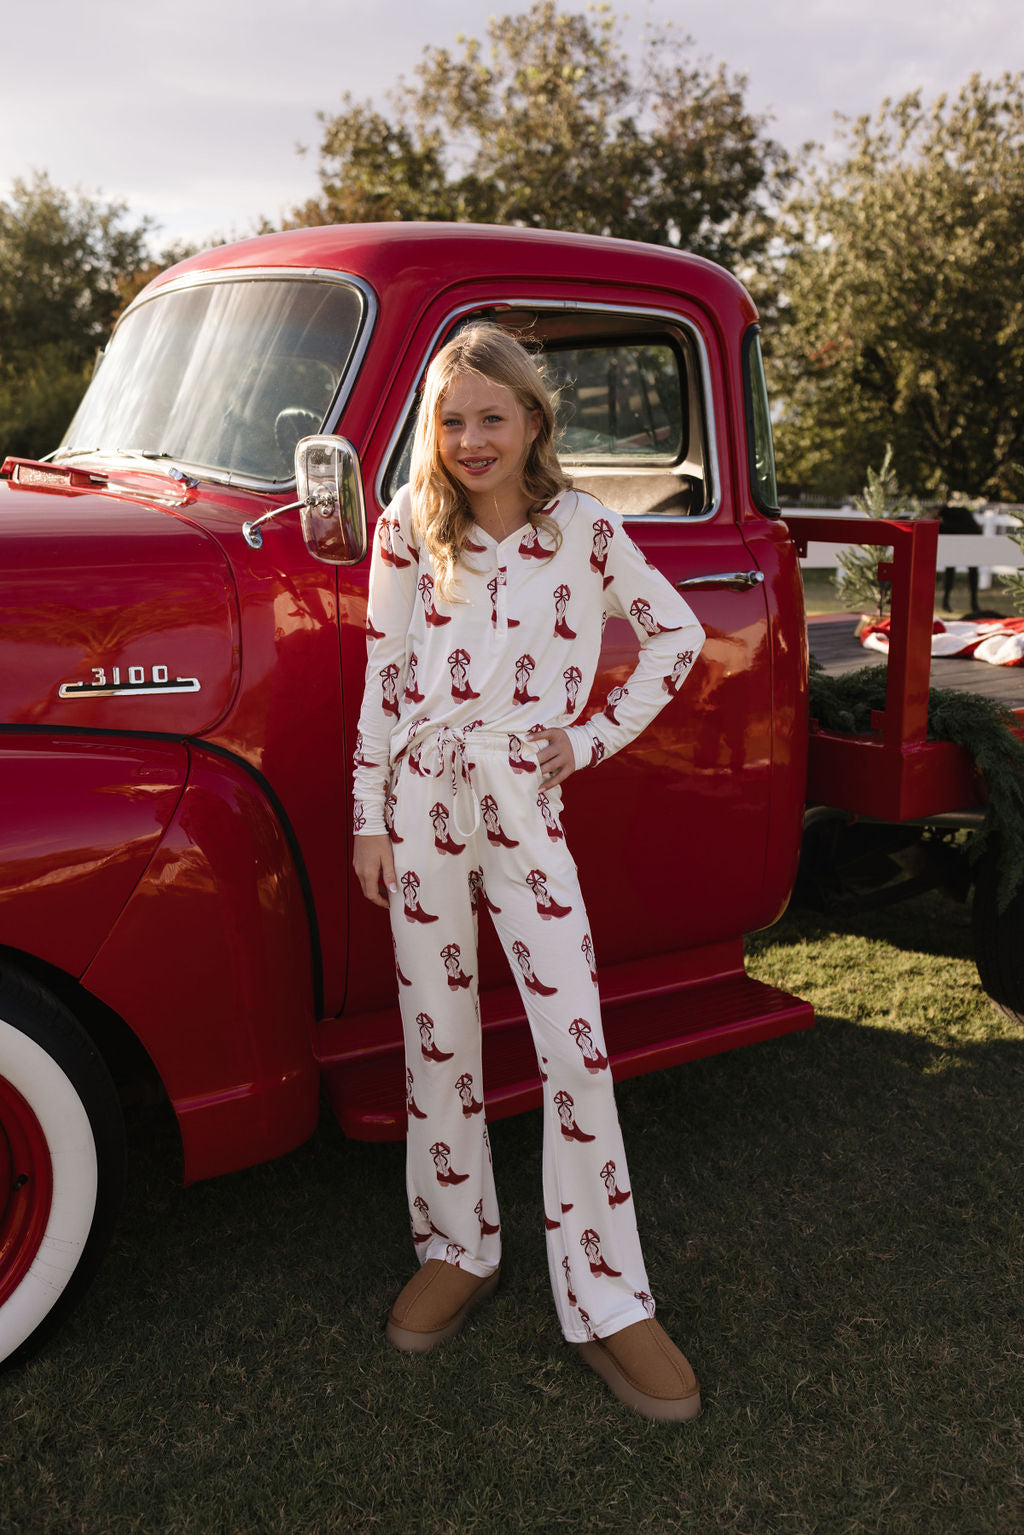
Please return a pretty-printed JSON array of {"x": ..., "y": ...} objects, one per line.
[{"x": 331, "y": 502}]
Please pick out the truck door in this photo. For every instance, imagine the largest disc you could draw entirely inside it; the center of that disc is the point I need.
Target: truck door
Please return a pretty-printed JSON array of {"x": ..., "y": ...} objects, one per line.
[{"x": 669, "y": 834}]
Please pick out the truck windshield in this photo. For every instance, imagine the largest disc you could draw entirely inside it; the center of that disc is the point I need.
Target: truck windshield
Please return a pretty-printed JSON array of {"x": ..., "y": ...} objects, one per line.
[{"x": 224, "y": 376}]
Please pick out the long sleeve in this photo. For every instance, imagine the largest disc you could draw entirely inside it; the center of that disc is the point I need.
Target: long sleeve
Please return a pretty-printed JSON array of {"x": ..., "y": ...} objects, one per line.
[
  {"x": 392, "y": 595},
  {"x": 670, "y": 640}
]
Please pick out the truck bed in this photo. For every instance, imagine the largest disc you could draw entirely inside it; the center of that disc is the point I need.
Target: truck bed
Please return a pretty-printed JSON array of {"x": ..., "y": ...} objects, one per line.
[{"x": 834, "y": 643}]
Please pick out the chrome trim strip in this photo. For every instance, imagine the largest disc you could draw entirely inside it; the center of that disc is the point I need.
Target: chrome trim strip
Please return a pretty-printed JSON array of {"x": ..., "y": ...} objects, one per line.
[
  {"x": 575, "y": 306},
  {"x": 735, "y": 580},
  {"x": 367, "y": 321}
]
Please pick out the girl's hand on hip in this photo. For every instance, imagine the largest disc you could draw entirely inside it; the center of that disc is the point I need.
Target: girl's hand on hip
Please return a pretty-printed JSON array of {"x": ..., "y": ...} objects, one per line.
[
  {"x": 555, "y": 756},
  {"x": 375, "y": 867}
]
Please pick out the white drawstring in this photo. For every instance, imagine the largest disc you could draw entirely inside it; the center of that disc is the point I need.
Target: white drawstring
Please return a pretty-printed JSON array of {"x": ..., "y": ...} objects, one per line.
[{"x": 452, "y": 742}]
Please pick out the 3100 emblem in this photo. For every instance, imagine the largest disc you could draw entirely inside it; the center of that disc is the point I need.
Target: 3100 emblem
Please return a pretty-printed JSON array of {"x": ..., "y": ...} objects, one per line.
[{"x": 107, "y": 683}]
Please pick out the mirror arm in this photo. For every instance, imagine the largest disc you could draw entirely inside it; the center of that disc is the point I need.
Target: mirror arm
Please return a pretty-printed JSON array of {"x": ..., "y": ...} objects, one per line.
[{"x": 320, "y": 498}]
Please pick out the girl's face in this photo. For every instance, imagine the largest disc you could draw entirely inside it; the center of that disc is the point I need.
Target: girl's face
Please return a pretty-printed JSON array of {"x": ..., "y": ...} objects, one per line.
[{"x": 483, "y": 435}]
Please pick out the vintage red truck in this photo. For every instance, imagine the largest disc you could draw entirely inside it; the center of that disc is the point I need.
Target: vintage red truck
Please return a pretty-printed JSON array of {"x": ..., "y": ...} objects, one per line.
[{"x": 179, "y": 692}]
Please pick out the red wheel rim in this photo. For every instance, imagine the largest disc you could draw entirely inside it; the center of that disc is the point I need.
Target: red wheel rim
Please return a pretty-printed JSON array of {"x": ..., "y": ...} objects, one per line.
[{"x": 26, "y": 1188}]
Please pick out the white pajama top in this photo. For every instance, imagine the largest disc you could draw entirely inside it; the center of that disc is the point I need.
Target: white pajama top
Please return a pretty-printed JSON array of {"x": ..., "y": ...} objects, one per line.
[{"x": 520, "y": 652}]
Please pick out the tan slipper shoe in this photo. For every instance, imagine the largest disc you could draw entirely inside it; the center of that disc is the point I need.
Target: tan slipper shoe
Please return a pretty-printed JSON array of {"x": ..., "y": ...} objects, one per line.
[
  {"x": 434, "y": 1304},
  {"x": 645, "y": 1370}
]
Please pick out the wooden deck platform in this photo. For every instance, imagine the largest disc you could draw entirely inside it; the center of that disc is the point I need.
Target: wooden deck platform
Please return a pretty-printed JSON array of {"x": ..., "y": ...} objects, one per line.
[{"x": 835, "y": 644}]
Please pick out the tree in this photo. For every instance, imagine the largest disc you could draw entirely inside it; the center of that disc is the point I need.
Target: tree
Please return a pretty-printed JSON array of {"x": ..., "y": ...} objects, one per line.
[
  {"x": 546, "y": 125},
  {"x": 857, "y": 579},
  {"x": 903, "y": 318},
  {"x": 65, "y": 263}
]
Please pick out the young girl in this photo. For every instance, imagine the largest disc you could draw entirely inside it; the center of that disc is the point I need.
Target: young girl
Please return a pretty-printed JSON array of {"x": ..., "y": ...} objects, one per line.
[{"x": 489, "y": 587}]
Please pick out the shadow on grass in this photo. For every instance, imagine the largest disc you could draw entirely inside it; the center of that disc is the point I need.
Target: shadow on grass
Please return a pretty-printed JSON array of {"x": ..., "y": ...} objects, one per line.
[{"x": 833, "y": 1228}]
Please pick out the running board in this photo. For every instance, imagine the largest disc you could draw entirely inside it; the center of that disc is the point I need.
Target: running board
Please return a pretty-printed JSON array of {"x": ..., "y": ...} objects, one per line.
[{"x": 366, "y": 1083}]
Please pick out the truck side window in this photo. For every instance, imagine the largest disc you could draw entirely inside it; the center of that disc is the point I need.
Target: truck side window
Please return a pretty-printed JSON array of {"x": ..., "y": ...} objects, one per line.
[
  {"x": 760, "y": 451},
  {"x": 629, "y": 405}
]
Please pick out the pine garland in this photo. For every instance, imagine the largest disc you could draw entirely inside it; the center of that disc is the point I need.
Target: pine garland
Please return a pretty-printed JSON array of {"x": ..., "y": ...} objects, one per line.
[{"x": 981, "y": 725}]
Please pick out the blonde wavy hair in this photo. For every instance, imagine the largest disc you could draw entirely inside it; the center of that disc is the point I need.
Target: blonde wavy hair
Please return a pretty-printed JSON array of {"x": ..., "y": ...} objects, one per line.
[{"x": 441, "y": 514}]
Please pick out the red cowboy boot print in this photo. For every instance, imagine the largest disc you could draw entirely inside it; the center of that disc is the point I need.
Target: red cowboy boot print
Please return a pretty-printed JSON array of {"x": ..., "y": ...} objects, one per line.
[
  {"x": 562, "y": 595},
  {"x": 441, "y": 1154},
  {"x": 389, "y": 689},
  {"x": 464, "y": 1088},
  {"x": 413, "y": 910},
  {"x": 428, "y": 1049},
  {"x": 452, "y": 956},
  {"x": 478, "y": 896},
  {"x": 593, "y": 1060},
  {"x": 458, "y": 665},
  {"x": 549, "y": 1224},
  {"x": 565, "y": 1103},
  {"x": 547, "y": 906},
  {"x": 442, "y": 838},
  {"x": 640, "y": 609},
  {"x": 500, "y": 580},
  {"x": 530, "y": 546},
  {"x": 551, "y": 825},
  {"x": 423, "y": 1211},
  {"x": 567, "y": 1270},
  {"x": 402, "y": 979},
  {"x": 390, "y": 806},
  {"x": 572, "y": 677},
  {"x": 614, "y": 697},
  {"x": 358, "y": 815},
  {"x": 410, "y": 1101},
  {"x": 585, "y": 1319},
  {"x": 596, "y": 752},
  {"x": 525, "y": 668},
  {"x": 358, "y": 760},
  {"x": 647, "y": 1301},
  {"x": 516, "y": 761},
  {"x": 492, "y": 825},
  {"x": 590, "y": 1241},
  {"x": 486, "y": 1229},
  {"x": 415, "y": 761},
  {"x": 412, "y": 693},
  {"x": 389, "y": 534},
  {"x": 453, "y": 1253},
  {"x": 530, "y": 981},
  {"x": 672, "y": 684},
  {"x": 616, "y": 1196},
  {"x": 425, "y": 587},
  {"x": 487, "y": 1145},
  {"x": 587, "y": 948},
  {"x": 371, "y": 632},
  {"x": 543, "y": 1063},
  {"x": 603, "y": 532}
]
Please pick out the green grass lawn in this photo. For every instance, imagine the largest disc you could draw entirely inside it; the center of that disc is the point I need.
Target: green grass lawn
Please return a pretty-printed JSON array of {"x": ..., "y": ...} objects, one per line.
[{"x": 832, "y": 1224}]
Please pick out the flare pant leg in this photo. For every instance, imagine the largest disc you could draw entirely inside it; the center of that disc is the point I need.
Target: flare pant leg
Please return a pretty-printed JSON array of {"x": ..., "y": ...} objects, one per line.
[{"x": 517, "y": 862}]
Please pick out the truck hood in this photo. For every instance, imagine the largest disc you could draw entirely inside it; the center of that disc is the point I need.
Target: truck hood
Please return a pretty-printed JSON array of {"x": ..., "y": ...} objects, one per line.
[{"x": 114, "y": 615}]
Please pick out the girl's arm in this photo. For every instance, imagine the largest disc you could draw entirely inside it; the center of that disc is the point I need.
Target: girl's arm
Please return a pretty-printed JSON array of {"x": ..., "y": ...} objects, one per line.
[
  {"x": 393, "y": 574},
  {"x": 670, "y": 641}
]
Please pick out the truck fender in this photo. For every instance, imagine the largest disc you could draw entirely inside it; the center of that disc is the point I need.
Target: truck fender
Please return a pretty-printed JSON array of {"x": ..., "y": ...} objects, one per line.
[
  {"x": 211, "y": 965},
  {"x": 83, "y": 815}
]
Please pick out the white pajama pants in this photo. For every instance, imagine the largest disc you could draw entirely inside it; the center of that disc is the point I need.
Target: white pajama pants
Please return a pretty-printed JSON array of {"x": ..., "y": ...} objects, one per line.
[{"x": 471, "y": 827}]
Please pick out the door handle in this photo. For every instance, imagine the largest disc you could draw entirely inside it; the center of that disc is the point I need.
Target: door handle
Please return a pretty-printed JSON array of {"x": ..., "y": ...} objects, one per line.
[{"x": 727, "y": 580}]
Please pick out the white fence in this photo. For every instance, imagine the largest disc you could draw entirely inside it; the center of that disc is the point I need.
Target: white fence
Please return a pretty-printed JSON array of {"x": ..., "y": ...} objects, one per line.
[{"x": 991, "y": 551}]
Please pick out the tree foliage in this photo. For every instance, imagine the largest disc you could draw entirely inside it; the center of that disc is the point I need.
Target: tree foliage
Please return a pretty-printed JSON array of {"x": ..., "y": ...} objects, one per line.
[
  {"x": 857, "y": 579},
  {"x": 546, "y": 124},
  {"x": 66, "y": 262},
  {"x": 904, "y": 310}
]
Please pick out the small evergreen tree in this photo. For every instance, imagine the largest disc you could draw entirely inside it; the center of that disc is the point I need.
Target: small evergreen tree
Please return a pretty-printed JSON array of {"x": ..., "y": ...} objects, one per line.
[{"x": 857, "y": 580}]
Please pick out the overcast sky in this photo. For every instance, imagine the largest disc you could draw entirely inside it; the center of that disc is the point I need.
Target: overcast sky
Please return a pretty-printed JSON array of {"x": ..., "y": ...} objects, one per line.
[{"x": 191, "y": 112}]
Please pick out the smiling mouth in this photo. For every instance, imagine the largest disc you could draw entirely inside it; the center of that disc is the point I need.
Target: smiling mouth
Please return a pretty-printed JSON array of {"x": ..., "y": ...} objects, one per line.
[{"x": 477, "y": 463}]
